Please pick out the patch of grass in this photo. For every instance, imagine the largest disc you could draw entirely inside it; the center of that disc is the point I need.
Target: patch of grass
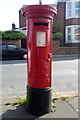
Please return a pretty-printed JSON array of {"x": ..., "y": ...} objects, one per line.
[
  {"x": 53, "y": 105},
  {"x": 55, "y": 97},
  {"x": 8, "y": 103},
  {"x": 12, "y": 103},
  {"x": 20, "y": 100},
  {"x": 64, "y": 97}
]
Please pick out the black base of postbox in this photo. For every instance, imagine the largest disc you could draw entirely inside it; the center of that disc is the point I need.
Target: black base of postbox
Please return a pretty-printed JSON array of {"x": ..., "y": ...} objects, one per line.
[{"x": 39, "y": 100}]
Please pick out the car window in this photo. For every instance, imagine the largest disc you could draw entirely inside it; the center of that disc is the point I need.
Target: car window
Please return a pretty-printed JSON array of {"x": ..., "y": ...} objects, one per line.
[
  {"x": 2, "y": 47},
  {"x": 10, "y": 47}
]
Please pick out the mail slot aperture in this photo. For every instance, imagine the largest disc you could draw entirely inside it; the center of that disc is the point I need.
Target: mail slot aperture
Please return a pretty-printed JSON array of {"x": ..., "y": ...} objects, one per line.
[{"x": 40, "y": 24}]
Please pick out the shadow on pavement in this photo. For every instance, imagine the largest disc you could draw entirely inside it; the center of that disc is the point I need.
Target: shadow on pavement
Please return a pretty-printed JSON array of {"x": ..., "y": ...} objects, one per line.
[
  {"x": 18, "y": 112},
  {"x": 13, "y": 62}
]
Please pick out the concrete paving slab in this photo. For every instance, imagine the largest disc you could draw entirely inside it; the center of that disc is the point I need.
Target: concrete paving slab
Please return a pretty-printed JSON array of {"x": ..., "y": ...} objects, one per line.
[
  {"x": 63, "y": 110},
  {"x": 73, "y": 101}
]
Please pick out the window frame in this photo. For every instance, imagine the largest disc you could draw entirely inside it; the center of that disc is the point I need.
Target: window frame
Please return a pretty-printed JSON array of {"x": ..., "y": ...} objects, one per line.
[
  {"x": 73, "y": 14},
  {"x": 76, "y": 9},
  {"x": 67, "y": 10},
  {"x": 72, "y": 34},
  {"x": 76, "y": 33},
  {"x": 69, "y": 34}
]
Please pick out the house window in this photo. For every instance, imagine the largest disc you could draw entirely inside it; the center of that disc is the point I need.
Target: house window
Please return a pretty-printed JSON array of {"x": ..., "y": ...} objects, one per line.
[
  {"x": 69, "y": 34},
  {"x": 77, "y": 33},
  {"x": 69, "y": 8},
  {"x": 73, "y": 9},
  {"x": 73, "y": 34},
  {"x": 77, "y": 9}
]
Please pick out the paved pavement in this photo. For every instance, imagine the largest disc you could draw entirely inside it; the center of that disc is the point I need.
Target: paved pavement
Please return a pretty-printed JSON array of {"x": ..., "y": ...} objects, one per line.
[{"x": 64, "y": 109}]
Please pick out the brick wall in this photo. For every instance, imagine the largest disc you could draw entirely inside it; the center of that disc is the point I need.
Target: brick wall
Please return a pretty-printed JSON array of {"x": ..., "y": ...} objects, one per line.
[
  {"x": 57, "y": 50},
  {"x": 61, "y": 19},
  {"x": 17, "y": 42},
  {"x": 72, "y": 21}
]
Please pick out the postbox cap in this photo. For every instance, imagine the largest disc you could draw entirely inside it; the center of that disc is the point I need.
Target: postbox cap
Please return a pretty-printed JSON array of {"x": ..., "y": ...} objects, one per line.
[{"x": 33, "y": 11}]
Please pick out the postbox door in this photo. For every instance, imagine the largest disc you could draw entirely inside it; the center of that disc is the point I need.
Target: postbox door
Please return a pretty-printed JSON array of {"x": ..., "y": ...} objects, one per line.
[{"x": 43, "y": 58}]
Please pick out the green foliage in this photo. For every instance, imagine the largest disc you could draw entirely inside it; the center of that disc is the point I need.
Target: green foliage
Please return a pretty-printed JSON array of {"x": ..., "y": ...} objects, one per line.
[
  {"x": 53, "y": 105},
  {"x": 1, "y": 32},
  {"x": 20, "y": 100},
  {"x": 55, "y": 27},
  {"x": 12, "y": 35},
  {"x": 64, "y": 97},
  {"x": 57, "y": 36}
]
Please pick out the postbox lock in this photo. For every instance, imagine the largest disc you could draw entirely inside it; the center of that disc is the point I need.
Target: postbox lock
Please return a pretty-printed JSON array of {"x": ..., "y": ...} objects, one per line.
[{"x": 49, "y": 56}]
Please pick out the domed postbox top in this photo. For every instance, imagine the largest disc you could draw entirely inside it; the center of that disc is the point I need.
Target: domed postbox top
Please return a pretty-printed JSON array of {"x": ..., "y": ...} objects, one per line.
[{"x": 33, "y": 11}]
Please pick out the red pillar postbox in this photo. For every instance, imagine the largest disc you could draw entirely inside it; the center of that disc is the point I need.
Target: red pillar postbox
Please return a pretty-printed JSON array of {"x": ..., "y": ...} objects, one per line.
[{"x": 39, "y": 44}]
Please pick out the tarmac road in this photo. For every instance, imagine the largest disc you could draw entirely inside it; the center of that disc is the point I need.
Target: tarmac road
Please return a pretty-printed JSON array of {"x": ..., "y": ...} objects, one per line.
[{"x": 14, "y": 76}]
